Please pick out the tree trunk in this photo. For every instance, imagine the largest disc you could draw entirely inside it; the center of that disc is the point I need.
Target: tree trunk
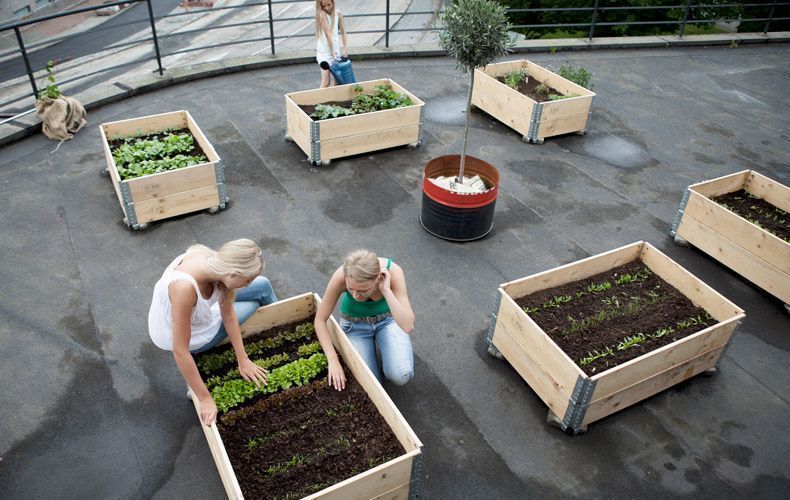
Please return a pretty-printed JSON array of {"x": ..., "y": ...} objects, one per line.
[{"x": 466, "y": 126}]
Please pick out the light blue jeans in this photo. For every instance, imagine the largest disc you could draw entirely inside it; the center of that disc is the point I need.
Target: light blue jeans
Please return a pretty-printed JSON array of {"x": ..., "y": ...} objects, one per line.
[
  {"x": 248, "y": 300},
  {"x": 394, "y": 346}
]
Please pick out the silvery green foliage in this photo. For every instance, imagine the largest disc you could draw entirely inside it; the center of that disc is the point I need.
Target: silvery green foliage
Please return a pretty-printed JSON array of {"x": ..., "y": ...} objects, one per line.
[{"x": 474, "y": 32}]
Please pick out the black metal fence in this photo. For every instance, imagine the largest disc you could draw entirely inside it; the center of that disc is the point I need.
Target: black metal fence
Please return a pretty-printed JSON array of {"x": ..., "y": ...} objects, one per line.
[{"x": 588, "y": 19}]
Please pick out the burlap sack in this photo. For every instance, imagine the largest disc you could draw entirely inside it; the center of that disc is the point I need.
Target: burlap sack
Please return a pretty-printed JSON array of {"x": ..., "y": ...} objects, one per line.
[{"x": 61, "y": 117}]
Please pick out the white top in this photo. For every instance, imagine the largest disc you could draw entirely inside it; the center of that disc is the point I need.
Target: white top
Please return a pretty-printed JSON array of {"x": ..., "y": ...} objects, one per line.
[
  {"x": 322, "y": 48},
  {"x": 206, "y": 318}
]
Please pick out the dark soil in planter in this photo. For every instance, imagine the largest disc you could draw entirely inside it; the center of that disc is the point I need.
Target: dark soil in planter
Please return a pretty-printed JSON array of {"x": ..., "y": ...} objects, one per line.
[
  {"x": 529, "y": 89},
  {"x": 196, "y": 150},
  {"x": 600, "y": 323},
  {"x": 757, "y": 211},
  {"x": 298, "y": 441}
]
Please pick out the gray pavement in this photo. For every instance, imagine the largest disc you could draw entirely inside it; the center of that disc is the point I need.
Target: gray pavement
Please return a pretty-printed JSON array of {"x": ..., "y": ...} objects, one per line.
[{"x": 91, "y": 409}]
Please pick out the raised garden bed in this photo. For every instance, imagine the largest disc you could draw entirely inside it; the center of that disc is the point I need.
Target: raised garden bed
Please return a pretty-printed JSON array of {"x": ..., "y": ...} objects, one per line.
[
  {"x": 154, "y": 196},
  {"x": 325, "y": 140},
  {"x": 590, "y": 344},
  {"x": 755, "y": 253},
  {"x": 297, "y": 437},
  {"x": 534, "y": 120}
]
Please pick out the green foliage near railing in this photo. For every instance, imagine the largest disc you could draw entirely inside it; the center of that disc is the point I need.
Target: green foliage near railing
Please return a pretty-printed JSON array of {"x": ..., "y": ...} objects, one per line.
[
  {"x": 137, "y": 157},
  {"x": 51, "y": 90},
  {"x": 296, "y": 373},
  {"x": 208, "y": 363}
]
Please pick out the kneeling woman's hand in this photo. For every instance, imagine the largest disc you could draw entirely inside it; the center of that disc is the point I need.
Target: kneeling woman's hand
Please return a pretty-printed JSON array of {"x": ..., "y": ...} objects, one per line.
[
  {"x": 251, "y": 372},
  {"x": 337, "y": 378}
]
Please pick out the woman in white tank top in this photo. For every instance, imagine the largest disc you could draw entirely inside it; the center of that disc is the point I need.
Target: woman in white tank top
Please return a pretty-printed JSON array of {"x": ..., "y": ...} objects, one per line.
[
  {"x": 201, "y": 298},
  {"x": 329, "y": 29}
]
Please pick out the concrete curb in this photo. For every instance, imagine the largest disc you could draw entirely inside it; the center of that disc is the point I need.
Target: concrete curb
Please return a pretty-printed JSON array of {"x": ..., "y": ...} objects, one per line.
[{"x": 30, "y": 124}]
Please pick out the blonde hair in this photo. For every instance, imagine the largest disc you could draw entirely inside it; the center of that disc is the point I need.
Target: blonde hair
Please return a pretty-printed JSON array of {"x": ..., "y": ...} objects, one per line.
[
  {"x": 241, "y": 256},
  {"x": 319, "y": 9},
  {"x": 362, "y": 265}
]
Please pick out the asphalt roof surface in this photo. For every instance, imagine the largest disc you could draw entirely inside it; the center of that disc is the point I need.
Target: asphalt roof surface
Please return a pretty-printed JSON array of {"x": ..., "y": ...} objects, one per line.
[{"x": 90, "y": 408}]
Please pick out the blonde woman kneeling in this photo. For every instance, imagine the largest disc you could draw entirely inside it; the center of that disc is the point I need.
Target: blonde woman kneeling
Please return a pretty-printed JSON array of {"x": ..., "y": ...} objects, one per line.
[
  {"x": 375, "y": 313},
  {"x": 201, "y": 298}
]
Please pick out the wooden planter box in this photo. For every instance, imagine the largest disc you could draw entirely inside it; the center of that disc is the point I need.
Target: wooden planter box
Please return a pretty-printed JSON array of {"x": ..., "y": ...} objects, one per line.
[
  {"x": 533, "y": 120},
  {"x": 576, "y": 399},
  {"x": 325, "y": 140},
  {"x": 394, "y": 479},
  {"x": 750, "y": 251},
  {"x": 167, "y": 194}
]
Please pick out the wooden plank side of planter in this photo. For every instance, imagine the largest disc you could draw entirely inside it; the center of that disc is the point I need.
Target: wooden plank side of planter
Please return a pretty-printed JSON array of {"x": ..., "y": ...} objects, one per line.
[
  {"x": 681, "y": 351},
  {"x": 145, "y": 125},
  {"x": 201, "y": 139},
  {"x": 563, "y": 124},
  {"x": 721, "y": 185},
  {"x": 771, "y": 191},
  {"x": 297, "y": 124},
  {"x": 373, "y": 141},
  {"x": 175, "y": 204},
  {"x": 689, "y": 285},
  {"x": 651, "y": 385},
  {"x": 226, "y": 474},
  {"x": 739, "y": 231},
  {"x": 507, "y": 105},
  {"x": 574, "y": 271},
  {"x": 545, "y": 367},
  {"x": 111, "y": 170},
  {"x": 350, "y": 126},
  {"x": 290, "y": 310},
  {"x": 758, "y": 271},
  {"x": 173, "y": 182},
  {"x": 381, "y": 481}
]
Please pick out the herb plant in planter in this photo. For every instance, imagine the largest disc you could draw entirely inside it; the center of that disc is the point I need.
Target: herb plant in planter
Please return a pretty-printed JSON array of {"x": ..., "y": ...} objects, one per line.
[
  {"x": 295, "y": 436},
  {"x": 743, "y": 221},
  {"x": 162, "y": 166},
  {"x": 600, "y": 334},
  {"x": 475, "y": 33},
  {"x": 346, "y": 120},
  {"x": 534, "y": 101}
]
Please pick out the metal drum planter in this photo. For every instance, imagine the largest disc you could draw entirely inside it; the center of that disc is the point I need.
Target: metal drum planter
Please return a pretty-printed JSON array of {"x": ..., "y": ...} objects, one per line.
[{"x": 458, "y": 216}]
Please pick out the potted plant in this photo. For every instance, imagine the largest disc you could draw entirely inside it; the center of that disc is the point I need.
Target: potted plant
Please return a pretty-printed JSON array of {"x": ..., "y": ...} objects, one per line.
[
  {"x": 595, "y": 336},
  {"x": 162, "y": 166},
  {"x": 61, "y": 116},
  {"x": 534, "y": 101},
  {"x": 345, "y": 120},
  {"x": 295, "y": 436},
  {"x": 742, "y": 220},
  {"x": 460, "y": 191}
]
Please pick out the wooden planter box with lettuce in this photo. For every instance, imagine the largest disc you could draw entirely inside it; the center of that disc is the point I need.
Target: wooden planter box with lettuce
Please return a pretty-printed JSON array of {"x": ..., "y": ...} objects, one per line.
[
  {"x": 534, "y": 120},
  {"x": 156, "y": 196},
  {"x": 395, "y": 478},
  {"x": 323, "y": 140}
]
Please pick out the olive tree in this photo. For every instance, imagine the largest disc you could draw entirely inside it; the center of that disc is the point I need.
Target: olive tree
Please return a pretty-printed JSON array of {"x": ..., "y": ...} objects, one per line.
[{"x": 475, "y": 33}]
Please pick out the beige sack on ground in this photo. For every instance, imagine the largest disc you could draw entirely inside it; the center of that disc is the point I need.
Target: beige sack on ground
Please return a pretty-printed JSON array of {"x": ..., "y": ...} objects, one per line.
[{"x": 61, "y": 117}]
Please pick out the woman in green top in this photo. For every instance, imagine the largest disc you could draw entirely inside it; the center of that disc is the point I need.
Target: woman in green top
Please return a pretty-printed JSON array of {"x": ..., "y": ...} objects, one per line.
[{"x": 375, "y": 312}]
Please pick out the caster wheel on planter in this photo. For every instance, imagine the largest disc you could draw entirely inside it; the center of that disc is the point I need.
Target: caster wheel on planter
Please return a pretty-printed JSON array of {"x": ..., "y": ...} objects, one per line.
[
  {"x": 680, "y": 241},
  {"x": 494, "y": 352},
  {"x": 288, "y": 138},
  {"x": 213, "y": 210},
  {"x": 414, "y": 145},
  {"x": 581, "y": 132}
]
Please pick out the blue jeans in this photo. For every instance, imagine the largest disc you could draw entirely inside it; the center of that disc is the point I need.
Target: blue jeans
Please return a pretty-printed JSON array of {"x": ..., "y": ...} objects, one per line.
[
  {"x": 248, "y": 300},
  {"x": 394, "y": 346}
]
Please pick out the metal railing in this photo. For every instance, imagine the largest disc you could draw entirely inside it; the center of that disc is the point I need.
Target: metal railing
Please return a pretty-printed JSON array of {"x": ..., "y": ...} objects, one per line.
[{"x": 591, "y": 21}]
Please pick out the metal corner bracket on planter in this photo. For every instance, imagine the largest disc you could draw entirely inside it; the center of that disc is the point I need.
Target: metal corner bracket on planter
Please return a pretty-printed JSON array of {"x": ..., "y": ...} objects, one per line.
[{"x": 458, "y": 216}]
